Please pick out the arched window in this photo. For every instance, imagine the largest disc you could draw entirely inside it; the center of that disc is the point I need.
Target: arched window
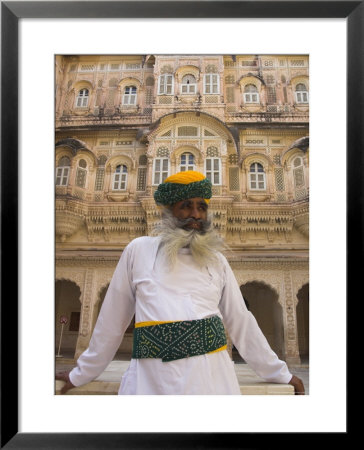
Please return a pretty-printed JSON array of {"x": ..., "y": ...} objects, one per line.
[
  {"x": 213, "y": 170},
  {"x": 188, "y": 85},
  {"x": 257, "y": 177},
  {"x": 81, "y": 173},
  {"x": 187, "y": 162},
  {"x": 82, "y": 98},
  {"x": 298, "y": 173},
  {"x": 211, "y": 85},
  {"x": 166, "y": 84},
  {"x": 251, "y": 94},
  {"x": 63, "y": 171},
  {"x": 120, "y": 178},
  {"x": 161, "y": 169},
  {"x": 301, "y": 93},
  {"x": 130, "y": 95}
]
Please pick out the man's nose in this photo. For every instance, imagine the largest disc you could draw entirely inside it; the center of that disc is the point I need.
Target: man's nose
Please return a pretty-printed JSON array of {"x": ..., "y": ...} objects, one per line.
[{"x": 195, "y": 213}]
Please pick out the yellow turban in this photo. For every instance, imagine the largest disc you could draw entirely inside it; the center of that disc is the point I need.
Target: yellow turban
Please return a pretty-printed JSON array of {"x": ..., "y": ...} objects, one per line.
[
  {"x": 187, "y": 177},
  {"x": 183, "y": 185}
]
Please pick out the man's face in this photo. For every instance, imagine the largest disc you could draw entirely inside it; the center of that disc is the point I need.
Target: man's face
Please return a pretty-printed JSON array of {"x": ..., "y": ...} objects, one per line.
[{"x": 193, "y": 211}]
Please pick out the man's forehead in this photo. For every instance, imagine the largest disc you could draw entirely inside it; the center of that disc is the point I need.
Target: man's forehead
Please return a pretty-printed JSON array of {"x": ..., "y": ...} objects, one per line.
[{"x": 198, "y": 200}]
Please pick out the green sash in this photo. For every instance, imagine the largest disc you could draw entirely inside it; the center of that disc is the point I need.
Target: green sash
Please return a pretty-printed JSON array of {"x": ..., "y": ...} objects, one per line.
[{"x": 176, "y": 340}]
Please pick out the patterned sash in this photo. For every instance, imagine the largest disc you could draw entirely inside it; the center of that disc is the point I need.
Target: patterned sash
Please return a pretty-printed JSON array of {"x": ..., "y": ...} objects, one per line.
[{"x": 176, "y": 340}]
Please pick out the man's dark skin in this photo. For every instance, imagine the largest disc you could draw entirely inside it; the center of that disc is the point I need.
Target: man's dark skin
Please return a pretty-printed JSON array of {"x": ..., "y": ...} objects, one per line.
[
  {"x": 64, "y": 376},
  {"x": 193, "y": 208}
]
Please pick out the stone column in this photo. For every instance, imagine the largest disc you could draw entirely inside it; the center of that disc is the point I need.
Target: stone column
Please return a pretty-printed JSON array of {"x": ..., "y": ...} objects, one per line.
[
  {"x": 244, "y": 181},
  {"x": 90, "y": 186},
  {"x": 306, "y": 173},
  {"x": 290, "y": 182},
  {"x": 224, "y": 175},
  {"x": 149, "y": 177},
  {"x": 271, "y": 184},
  {"x": 291, "y": 334},
  {"x": 173, "y": 164},
  {"x": 87, "y": 300}
]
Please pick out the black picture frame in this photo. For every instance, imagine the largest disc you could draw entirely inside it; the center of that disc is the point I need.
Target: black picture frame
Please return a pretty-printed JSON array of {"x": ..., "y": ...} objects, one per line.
[{"x": 11, "y": 13}]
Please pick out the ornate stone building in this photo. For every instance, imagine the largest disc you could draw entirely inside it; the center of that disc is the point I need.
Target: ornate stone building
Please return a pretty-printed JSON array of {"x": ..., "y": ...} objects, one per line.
[{"x": 124, "y": 123}]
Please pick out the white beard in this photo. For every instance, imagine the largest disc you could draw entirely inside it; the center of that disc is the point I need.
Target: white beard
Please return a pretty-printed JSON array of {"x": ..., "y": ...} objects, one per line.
[{"x": 204, "y": 244}]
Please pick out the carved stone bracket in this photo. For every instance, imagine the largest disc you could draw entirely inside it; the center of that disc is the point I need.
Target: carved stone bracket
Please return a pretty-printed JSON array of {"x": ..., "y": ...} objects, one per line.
[{"x": 67, "y": 223}]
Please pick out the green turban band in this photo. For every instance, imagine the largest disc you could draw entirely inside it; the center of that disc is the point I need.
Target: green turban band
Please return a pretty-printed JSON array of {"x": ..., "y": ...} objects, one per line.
[{"x": 169, "y": 193}]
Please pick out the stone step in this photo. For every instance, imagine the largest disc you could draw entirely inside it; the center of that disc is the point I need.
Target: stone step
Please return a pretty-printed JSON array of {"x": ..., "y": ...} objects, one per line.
[{"x": 112, "y": 387}]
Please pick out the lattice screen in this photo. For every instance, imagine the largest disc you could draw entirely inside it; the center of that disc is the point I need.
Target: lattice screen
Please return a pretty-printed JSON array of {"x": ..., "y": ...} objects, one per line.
[
  {"x": 211, "y": 99},
  {"x": 187, "y": 131},
  {"x": 299, "y": 180},
  {"x": 99, "y": 180},
  {"x": 230, "y": 79},
  {"x": 165, "y": 100},
  {"x": 149, "y": 96},
  {"x": 208, "y": 133},
  {"x": 249, "y": 63},
  {"x": 281, "y": 197},
  {"x": 163, "y": 152},
  {"x": 212, "y": 151},
  {"x": 297, "y": 62},
  {"x": 300, "y": 194},
  {"x": 276, "y": 158},
  {"x": 211, "y": 68},
  {"x": 141, "y": 179},
  {"x": 233, "y": 158},
  {"x": 271, "y": 95},
  {"x": 279, "y": 174},
  {"x": 230, "y": 95},
  {"x": 234, "y": 184},
  {"x": 87, "y": 68},
  {"x": 143, "y": 160}
]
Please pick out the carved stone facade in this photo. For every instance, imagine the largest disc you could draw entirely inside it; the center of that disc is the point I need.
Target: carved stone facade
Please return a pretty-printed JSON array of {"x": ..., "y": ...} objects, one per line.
[{"x": 124, "y": 123}]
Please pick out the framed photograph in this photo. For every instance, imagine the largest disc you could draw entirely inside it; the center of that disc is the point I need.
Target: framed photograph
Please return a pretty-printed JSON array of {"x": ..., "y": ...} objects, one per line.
[{"x": 330, "y": 32}]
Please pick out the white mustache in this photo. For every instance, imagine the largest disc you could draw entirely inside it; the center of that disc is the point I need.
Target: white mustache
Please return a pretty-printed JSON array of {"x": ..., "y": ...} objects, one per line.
[
  {"x": 204, "y": 242},
  {"x": 203, "y": 224}
]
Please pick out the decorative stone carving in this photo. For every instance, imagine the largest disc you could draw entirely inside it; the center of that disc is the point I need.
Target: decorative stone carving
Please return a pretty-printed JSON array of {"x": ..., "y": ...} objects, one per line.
[
  {"x": 291, "y": 325},
  {"x": 267, "y": 232},
  {"x": 67, "y": 223},
  {"x": 75, "y": 275},
  {"x": 258, "y": 197},
  {"x": 302, "y": 224},
  {"x": 118, "y": 197},
  {"x": 299, "y": 279},
  {"x": 269, "y": 221}
]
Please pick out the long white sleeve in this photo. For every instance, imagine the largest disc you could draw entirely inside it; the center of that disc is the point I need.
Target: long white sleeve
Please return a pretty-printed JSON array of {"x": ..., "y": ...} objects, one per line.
[
  {"x": 115, "y": 316},
  {"x": 246, "y": 334}
]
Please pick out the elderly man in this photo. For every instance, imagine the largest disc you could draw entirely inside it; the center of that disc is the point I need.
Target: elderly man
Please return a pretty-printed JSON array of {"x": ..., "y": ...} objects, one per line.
[{"x": 183, "y": 294}]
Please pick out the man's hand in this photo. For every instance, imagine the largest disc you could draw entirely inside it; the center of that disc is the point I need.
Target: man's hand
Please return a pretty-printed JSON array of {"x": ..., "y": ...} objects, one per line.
[
  {"x": 299, "y": 388},
  {"x": 64, "y": 376}
]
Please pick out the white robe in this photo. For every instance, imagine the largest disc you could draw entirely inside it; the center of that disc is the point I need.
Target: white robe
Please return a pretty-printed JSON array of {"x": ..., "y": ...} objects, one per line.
[{"x": 144, "y": 285}]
